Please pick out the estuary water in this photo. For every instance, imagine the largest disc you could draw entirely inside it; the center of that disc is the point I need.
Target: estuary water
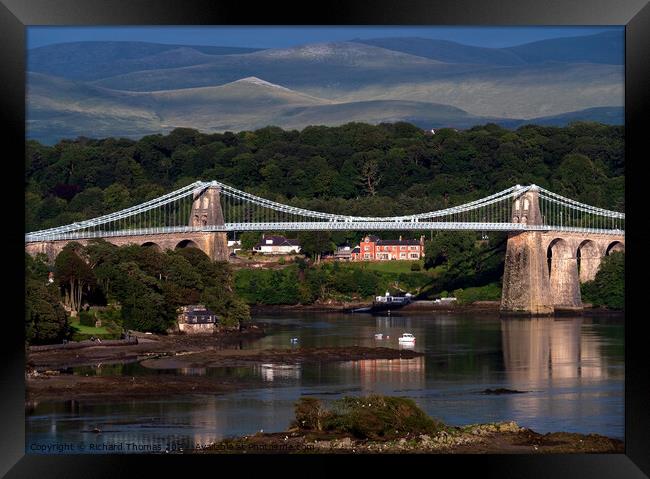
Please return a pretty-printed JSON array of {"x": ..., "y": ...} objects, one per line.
[{"x": 570, "y": 369}]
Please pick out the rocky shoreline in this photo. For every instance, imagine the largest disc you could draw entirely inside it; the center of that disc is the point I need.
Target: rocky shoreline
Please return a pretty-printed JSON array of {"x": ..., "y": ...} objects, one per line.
[
  {"x": 492, "y": 438},
  {"x": 414, "y": 308}
]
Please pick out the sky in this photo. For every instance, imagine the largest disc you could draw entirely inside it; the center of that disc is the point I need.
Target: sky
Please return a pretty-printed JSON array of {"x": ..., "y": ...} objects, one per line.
[{"x": 288, "y": 36}]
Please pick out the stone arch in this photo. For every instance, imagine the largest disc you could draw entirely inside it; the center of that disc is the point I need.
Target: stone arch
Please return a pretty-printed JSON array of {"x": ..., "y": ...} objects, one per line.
[
  {"x": 614, "y": 246},
  {"x": 587, "y": 260},
  {"x": 187, "y": 243},
  {"x": 151, "y": 244},
  {"x": 563, "y": 275},
  {"x": 554, "y": 250}
]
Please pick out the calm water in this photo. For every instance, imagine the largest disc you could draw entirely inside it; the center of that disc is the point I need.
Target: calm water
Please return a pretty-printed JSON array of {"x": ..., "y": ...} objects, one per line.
[{"x": 572, "y": 370}]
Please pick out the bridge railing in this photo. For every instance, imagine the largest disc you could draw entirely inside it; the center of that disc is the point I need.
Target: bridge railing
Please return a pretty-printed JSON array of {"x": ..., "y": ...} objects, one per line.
[
  {"x": 319, "y": 226},
  {"x": 242, "y": 211}
]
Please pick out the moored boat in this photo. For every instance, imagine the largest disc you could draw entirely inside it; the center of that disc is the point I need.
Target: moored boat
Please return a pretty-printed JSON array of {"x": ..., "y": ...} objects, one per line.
[{"x": 406, "y": 338}]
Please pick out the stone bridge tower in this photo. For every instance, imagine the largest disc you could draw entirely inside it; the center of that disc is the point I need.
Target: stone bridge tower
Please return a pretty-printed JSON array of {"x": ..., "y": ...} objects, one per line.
[
  {"x": 525, "y": 276},
  {"x": 207, "y": 211},
  {"x": 206, "y": 208}
]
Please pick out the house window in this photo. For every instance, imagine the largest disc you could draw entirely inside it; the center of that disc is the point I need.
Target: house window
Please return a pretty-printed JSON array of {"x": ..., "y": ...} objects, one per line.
[
  {"x": 367, "y": 255},
  {"x": 366, "y": 248},
  {"x": 415, "y": 255},
  {"x": 402, "y": 255},
  {"x": 402, "y": 247}
]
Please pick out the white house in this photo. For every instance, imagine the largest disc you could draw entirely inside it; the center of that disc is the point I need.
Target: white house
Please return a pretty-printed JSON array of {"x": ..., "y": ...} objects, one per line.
[
  {"x": 234, "y": 246},
  {"x": 277, "y": 245}
]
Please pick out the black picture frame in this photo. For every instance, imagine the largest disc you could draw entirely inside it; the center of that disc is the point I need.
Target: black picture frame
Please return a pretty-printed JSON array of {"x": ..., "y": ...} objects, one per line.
[{"x": 15, "y": 15}]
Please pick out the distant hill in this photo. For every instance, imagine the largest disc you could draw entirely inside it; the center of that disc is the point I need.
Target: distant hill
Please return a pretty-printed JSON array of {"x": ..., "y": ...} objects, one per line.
[
  {"x": 609, "y": 115},
  {"x": 94, "y": 60},
  {"x": 330, "y": 67},
  {"x": 60, "y": 108},
  {"x": 134, "y": 88},
  {"x": 446, "y": 51},
  {"x": 606, "y": 47}
]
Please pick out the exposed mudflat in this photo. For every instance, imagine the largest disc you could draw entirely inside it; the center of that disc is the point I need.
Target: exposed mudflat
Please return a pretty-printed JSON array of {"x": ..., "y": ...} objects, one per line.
[
  {"x": 65, "y": 387},
  {"x": 148, "y": 346},
  {"x": 229, "y": 357},
  {"x": 45, "y": 382}
]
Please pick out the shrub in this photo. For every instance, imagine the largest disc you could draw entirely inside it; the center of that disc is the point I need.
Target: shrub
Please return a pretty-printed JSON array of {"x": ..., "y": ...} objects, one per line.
[
  {"x": 87, "y": 318},
  {"x": 488, "y": 292},
  {"x": 310, "y": 414},
  {"x": 608, "y": 287},
  {"x": 416, "y": 267},
  {"x": 110, "y": 317},
  {"x": 380, "y": 418}
]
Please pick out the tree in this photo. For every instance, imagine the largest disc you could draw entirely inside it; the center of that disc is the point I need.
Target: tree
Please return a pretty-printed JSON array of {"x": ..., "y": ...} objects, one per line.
[
  {"x": 447, "y": 247},
  {"x": 117, "y": 197},
  {"x": 145, "y": 307},
  {"x": 45, "y": 319},
  {"x": 249, "y": 240},
  {"x": 73, "y": 274},
  {"x": 315, "y": 243},
  {"x": 608, "y": 287},
  {"x": 370, "y": 176},
  {"x": 580, "y": 179}
]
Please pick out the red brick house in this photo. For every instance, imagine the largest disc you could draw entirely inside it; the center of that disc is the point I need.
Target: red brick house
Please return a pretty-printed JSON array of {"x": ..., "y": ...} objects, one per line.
[{"x": 372, "y": 248}]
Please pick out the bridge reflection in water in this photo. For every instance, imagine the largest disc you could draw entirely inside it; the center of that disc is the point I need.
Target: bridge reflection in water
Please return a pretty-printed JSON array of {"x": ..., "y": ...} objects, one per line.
[
  {"x": 547, "y": 348},
  {"x": 563, "y": 368}
]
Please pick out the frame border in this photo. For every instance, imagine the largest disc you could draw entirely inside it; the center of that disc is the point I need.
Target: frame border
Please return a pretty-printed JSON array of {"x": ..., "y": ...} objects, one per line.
[{"x": 15, "y": 15}]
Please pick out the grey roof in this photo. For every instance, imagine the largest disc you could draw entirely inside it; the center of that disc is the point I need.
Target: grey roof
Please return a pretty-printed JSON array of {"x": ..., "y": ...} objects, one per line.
[
  {"x": 412, "y": 242},
  {"x": 277, "y": 241},
  {"x": 198, "y": 310}
]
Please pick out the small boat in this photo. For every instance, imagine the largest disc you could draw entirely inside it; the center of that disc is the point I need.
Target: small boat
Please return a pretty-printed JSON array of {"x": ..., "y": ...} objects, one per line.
[
  {"x": 366, "y": 309},
  {"x": 280, "y": 366},
  {"x": 406, "y": 338},
  {"x": 388, "y": 302},
  {"x": 294, "y": 340},
  {"x": 379, "y": 336}
]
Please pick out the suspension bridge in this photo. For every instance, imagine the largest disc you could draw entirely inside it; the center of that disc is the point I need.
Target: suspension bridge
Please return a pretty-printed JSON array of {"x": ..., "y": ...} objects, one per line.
[{"x": 550, "y": 235}]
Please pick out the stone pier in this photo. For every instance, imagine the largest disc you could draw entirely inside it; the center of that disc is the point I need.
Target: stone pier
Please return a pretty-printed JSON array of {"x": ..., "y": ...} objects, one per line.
[{"x": 543, "y": 270}]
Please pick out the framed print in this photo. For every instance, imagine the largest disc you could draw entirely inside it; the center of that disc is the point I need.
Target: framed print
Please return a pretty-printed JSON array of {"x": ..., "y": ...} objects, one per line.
[{"x": 362, "y": 233}]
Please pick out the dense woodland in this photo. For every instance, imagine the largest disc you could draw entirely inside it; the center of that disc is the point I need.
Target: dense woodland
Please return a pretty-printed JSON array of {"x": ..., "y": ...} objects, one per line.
[{"x": 355, "y": 169}]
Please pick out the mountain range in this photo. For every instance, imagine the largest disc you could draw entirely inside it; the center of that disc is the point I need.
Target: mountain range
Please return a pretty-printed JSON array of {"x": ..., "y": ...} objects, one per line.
[{"x": 131, "y": 89}]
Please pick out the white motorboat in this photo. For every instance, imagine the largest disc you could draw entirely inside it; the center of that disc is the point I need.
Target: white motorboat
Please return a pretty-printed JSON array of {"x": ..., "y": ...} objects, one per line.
[
  {"x": 406, "y": 338},
  {"x": 379, "y": 336}
]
